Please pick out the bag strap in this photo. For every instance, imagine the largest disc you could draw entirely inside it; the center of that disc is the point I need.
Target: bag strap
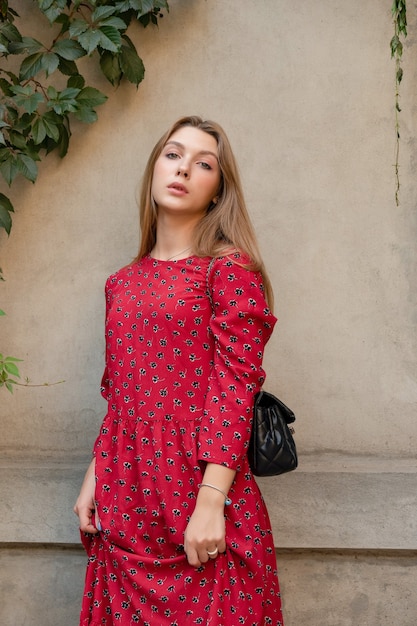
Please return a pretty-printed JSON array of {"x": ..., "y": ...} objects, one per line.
[{"x": 209, "y": 294}]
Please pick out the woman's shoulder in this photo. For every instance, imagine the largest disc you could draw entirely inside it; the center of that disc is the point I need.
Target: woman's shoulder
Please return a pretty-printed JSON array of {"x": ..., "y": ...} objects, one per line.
[
  {"x": 124, "y": 273},
  {"x": 234, "y": 260}
]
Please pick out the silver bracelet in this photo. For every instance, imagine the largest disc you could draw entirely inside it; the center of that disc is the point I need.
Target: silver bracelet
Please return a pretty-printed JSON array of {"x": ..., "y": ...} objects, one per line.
[{"x": 227, "y": 500}]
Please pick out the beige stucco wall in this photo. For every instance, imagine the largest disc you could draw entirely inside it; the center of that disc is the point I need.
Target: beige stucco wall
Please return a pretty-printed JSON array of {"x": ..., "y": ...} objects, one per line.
[{"x": 306, "y": 92}]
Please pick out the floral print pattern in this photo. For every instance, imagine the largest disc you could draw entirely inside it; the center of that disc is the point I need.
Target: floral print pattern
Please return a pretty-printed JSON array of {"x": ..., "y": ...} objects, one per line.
[{"x": 180, "y": 378}]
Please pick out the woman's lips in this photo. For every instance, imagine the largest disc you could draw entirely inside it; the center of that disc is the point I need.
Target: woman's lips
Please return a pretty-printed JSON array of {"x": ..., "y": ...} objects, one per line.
[{"x": 178, "y": 188}]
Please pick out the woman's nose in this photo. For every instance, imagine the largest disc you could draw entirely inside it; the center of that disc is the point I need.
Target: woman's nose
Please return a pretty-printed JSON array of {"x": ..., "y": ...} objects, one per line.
[{"x": 183, "y": 169}]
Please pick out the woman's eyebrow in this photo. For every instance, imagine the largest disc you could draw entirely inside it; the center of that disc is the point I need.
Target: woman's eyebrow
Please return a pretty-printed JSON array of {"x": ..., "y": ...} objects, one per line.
[{"x": 180, "y": 145}]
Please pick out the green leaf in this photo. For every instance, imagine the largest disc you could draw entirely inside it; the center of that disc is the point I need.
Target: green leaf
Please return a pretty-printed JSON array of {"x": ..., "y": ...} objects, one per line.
[
  {"x": 110, "y": 67},
  {"x": 24, "y": 123},
  {"x": 78, "y": 27},
  {"x": 2, "y": 312},
  {"x": 31, "y": 66},
  {"x": 68, "y": 68},
  {"x": 68, "y": 49},
  {"x": 64, "y": 137},
  {"x": 10, "y": 32},
  {"x": 86, "y": 115},
  {"x": 8, "y": 169},
  {"x": 38, "y": 131},
  {"x": 27, "y": 98},
  {"x": 101, "y": 13},
  {"x": 132, "y": 65},
  {"x": 12, "y": 359},
  {"x": 76, "y": 81},
  {"x": 27, "y": 166},
  {"x": 90, "y": 97},
  {"x": 90, "y": 40},
  {"x": 399, "y": 74},
  {"x": 17, "y": 140},
  {"x": 5, "y": 86},
  {"x": 110, "y": 38},
  {"x": 11, "y": 369},
  {"x": 116, "y": 22},
  {"x": 51, "y": 127},
  {"x": 6, "y": 208},
  {"x": 147, "y": 6},
  {"x": 50, "y": 62},
  {"x": 9, "y": 385},
  {"x": 27, "y": 45}
]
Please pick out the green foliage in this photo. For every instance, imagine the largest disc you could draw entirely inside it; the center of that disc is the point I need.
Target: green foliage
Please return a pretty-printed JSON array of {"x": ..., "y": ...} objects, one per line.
[
  {"x": 399, "y": 14},
  {"x": 35, "y": 113},
  {"x": 8, "y": 371}
]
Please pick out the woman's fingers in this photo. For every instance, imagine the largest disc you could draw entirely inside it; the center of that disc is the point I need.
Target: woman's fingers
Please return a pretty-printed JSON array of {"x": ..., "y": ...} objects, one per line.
[{"x": 85, "y": 516}]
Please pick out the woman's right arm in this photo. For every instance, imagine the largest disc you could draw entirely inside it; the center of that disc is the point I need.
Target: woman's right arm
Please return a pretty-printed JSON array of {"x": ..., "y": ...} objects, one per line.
[{"x": 85, "y": 506}]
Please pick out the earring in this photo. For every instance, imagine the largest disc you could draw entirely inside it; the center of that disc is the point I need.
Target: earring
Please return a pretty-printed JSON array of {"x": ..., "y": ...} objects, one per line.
[{"x": 215, "y": 200}]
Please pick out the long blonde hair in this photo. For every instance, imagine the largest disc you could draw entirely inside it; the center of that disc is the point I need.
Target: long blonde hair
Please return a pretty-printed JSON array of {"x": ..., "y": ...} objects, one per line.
[{"x": 226, "y": 227}]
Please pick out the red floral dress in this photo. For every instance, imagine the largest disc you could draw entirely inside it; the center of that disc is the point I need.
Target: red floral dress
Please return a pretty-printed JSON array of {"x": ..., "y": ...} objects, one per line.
[{"x": 180, "y": 380}]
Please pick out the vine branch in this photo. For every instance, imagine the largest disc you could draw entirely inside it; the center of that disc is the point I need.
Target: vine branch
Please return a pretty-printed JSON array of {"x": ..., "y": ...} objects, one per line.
[{"x": 399, "y": 14}]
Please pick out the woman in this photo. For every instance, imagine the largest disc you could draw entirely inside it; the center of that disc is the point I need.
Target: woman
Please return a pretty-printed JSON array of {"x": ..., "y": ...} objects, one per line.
[{"x": 171, "y": 516}]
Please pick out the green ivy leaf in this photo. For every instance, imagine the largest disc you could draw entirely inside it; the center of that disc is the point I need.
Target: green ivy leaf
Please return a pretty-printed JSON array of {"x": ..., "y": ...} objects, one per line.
[
  {"x": 27, "y": 45},
  {"x": 68, "y": 49},
  {"x": 11, "y": 369},
  {"x": 101, "y": 13},
  {"x": 63, "y": 101},
  {"x": 68, "y": 68},
  {"x": 9, "y": 32},
  {"x": 78, "y": 27},
  {"x": 52, "y": 9},
  {"x": 5, "y": 86},
  {"x": 64, "y": 137},
  {"x": 76, "y": 81},
  {"x": 132, "y": 65},
  {"x": 38, "y": 131},
  {"x": 17, "y": 140},
  {"x": 27, "y": 98},
  {"x": 110, "y": 38},
  {"x": 115, "y": 22},
  {"x": 6, "y": 208},
  {"x": 27, "y": 166},
  {"x": 110, "y": 67},
  {"x": 31, "y": 66},
  {"x": 89, "y": 40},
  {"x": 90, "y": 97},
  {"x": 8, "y": 168},
  {"x": 86, "y": 115},
  {"x": 23, "y": 123},
  {"x": 50, "y": 62}
]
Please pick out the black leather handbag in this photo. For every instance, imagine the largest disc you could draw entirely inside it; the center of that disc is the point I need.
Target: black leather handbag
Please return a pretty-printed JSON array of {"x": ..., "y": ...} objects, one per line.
[{"x": 272, "y": 449}]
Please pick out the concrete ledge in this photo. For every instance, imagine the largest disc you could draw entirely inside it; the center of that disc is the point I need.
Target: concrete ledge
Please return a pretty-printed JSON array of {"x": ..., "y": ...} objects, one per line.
[
  {"x": 330, "y": 501},
  {"x": 335, "y": 501}
]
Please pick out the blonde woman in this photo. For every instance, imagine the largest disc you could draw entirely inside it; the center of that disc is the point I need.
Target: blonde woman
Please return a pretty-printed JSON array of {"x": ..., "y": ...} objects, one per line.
[{"x": 171, "y": 517}]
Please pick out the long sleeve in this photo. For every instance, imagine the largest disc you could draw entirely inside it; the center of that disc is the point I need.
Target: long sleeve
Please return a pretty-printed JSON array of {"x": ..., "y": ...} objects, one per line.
[{"x": 241, "y": 325}]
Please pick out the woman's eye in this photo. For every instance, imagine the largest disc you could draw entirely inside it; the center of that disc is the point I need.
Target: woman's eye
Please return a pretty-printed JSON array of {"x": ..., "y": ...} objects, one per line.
[
  {"x": 205, "y": 166},
  {"x": 172, "y": 155}
]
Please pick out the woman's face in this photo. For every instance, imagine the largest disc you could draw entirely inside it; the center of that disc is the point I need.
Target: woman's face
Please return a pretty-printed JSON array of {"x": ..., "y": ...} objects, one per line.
[{"x": 186, "y": 175}]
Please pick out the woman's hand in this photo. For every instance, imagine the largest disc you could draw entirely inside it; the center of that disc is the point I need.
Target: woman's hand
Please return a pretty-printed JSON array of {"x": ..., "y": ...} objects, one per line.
[
  {"x": 85, "y": 505},
  {"x": 206, "y": 530},
  {"x": 205, "y": 535}
]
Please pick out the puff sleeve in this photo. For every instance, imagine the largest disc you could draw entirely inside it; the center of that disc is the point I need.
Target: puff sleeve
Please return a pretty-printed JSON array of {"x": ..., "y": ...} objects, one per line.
[{"x": 241, "y": 325}]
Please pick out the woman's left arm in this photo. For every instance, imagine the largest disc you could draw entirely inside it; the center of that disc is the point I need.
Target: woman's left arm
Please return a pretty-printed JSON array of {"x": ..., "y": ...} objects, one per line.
[{"x": 206, "y": 529}]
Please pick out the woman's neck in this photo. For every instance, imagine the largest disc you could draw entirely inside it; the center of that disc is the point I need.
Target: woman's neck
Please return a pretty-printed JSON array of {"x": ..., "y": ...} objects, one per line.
[{"x": 173, "y": 241}]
